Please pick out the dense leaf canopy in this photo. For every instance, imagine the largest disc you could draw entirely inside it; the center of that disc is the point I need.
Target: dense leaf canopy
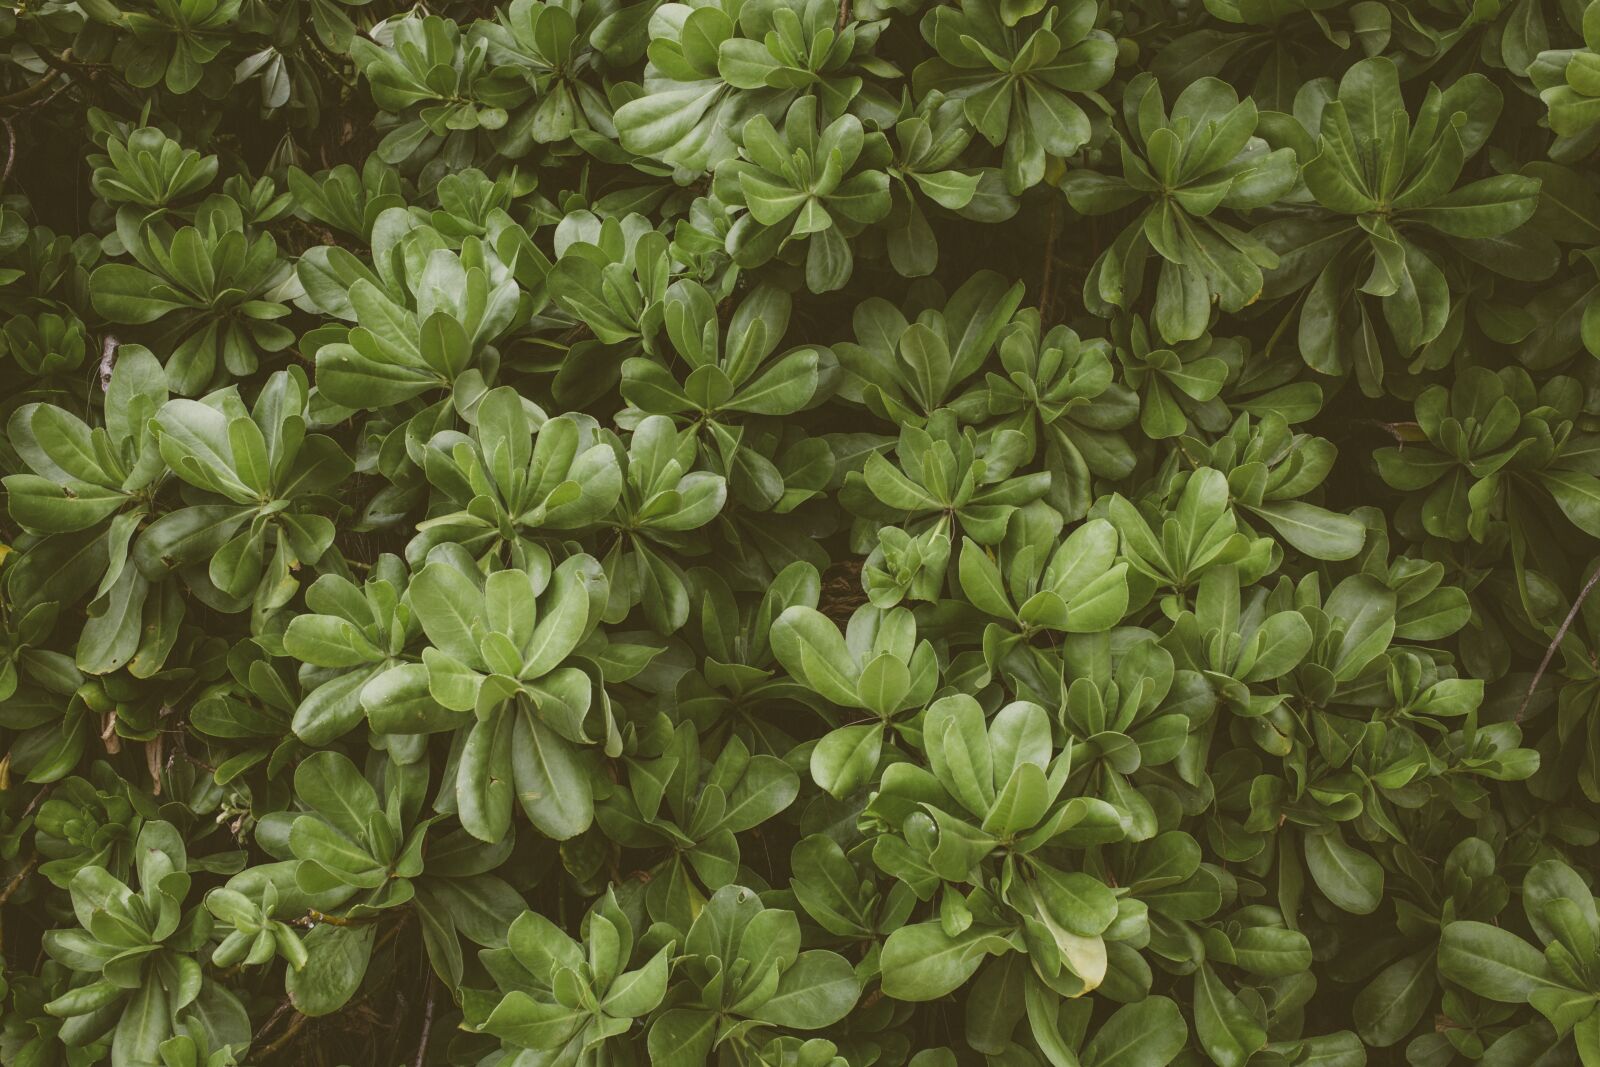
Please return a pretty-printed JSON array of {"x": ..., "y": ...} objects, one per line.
[{"x": 799, "y": 533}]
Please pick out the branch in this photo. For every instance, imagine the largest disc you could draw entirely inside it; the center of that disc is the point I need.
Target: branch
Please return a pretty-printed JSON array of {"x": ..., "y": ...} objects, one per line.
[
  {"x": 108, "y": 361},
  {"x": 1555, "y": 642},
  {"x": 11, "y": 887},
  {"x": 28, "y": 92},
  {"x": 312, "y": 917},
  {"x": 427, "y": 1019},
  {"x": 16, "y": 879},
  {"x": 1049, "y": 263},
  {"x": 295, "y": 1026},
  {"x": 11, "y": 150}
]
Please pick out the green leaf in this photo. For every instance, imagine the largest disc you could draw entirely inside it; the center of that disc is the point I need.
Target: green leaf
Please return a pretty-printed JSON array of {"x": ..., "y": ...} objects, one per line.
[
  {"x": 1491, "y": 962},
  {"x": 1318, "y": 532},
  {"x": 1227, "y": 1030},
  {"x": 144, "y": 1024},
  {"x": 1149, "y": 1033},
  {"x": 922, "y": 962},
  {"x": 682, "y": 1037},
  {"x": 637, "y": 993},
  {"x": 1347, "y": 876},
  {"x": 450, "y": 608},
  {"x": 818, "y": 990},
  {"x": 846, "y": 758},
  {"x": 336, "y": 962},
  {"x": 328, "y": 641},
  {"x": 1578, "y": 496},
  {"x": 1389, "y": 1007},
  {"x": 811, "y": 648},
  {"x": 552, "y": 780}
]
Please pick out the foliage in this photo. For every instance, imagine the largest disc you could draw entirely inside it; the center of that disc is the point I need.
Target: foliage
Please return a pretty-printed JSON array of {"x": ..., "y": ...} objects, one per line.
[{"x": 799, "y": 533}]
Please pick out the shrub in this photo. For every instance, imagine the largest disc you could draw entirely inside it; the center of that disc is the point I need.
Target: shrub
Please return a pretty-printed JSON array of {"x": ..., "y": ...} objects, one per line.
[{"x": 805, "y": 533}]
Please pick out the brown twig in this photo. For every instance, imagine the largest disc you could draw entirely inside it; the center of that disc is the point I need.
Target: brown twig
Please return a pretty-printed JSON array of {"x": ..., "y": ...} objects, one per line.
[
  {"x": 272, "y": 1020},
  {"x": 108, "y": 360},
  {"x": 28, "y": 92},
  {"x": 108, "y": 733},
  {"x": 198, "y": 762},
  {"x": 1555, "y": 642},
  {"x": 11, "y": 150},
  {"x": 65, "y": 62},
  {"x": 23, "y": 95},
  {"x": 44, "y": 101},
  {"x": 1404, "y": 433},
  {"x": 427, "y": 1020},
  {"x": 1049, "y": 262},
  {"x": 358, "y": 1005},
  {"x": 295, "y": 1026},
  {"x": 393, "y": 931},
  {"x": 11, "y": 887},
  {"x": 16, "y": 879},
  {"x": 38, "y": 798}
]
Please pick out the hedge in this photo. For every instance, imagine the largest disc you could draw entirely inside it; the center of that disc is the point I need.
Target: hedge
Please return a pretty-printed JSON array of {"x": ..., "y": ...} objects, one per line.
[{"x": 803, "y": 533}]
